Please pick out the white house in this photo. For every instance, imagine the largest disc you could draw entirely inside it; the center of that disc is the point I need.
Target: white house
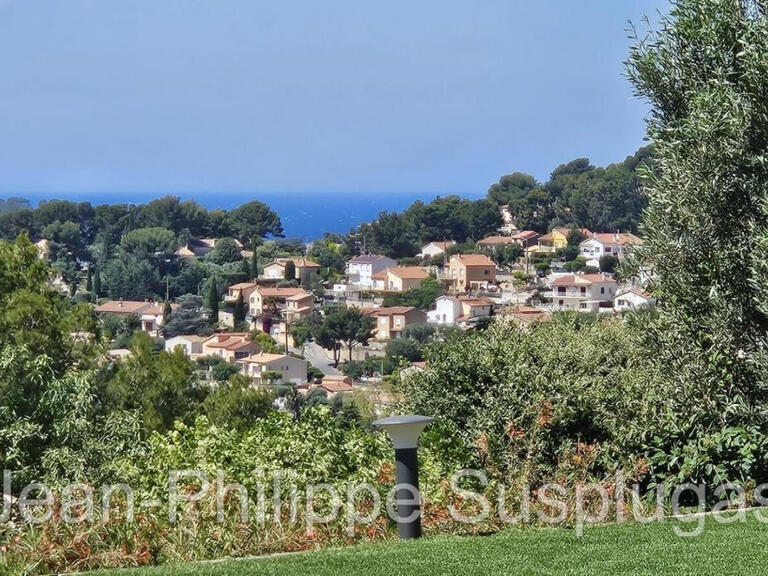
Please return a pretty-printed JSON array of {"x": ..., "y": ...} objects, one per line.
[
  {"x": 600, "y": 244},
  {"x": 361, "y": 269},
  {"x": 435, "y": 249},
  {"x": 633, "y": 299},
  {"x": 584, "y": 292},
  {"x": 291, "y": 369},
  {"x": 461, "y": 311},
  {"x": 191, "y": 345}
]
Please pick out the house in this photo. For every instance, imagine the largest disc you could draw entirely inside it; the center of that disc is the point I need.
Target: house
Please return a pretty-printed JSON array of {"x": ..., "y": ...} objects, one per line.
[
  {"x": 433, "y": 249},
  {"x": 461, "y": 311},
  {"x": 199, "y": 247},
  {"x": 150, "y": 314},
  {"x": 190, "y": 344},
  {"x": 585, "y": 292},
  {"x": 230, "y": 346},
  {"x": 304, "y": 269},
  {"x": 471, "y": 272},
  {"x": 399, "y": 278},
  {"x": 496, "y": 242},
  {"x": 271, "y": 298},
  {"x": 236, "y": 290},
  {"x": 291, "y": 369},
  {"x": 334, "y": 384},
  {"x": 525, "y": 238},
  {"x": 43, "y": 249},
  {"x": 360, "y": 269},
  {"x": 557, "y": 239},
  {"x": 600, "y": 244},
  {"x": 633, "y": 299},
  {"x": 391, "y": 321},
  {"x": 507, "y": 220},
  {"x": 527, "y": 315},
  {"x": 299, "y": 305}
]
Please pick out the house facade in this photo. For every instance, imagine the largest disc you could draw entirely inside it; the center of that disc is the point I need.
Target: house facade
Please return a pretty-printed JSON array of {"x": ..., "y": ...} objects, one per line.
[
  {"x": 304, "y": 269},
  {"x": 391, "y": 321},
  {"x": 150, "y": 314},
  {"x": 525, "y": 238},
  {"x": 584, "y": 292},
  {"x": 433, "y": 249},
  {"x": 459, "y": 311},
  {"x": 399, "y": 278},
  {"x": 496, "y": 242},
  {"x": 557, "y": 239},
  {"x": 360, "y": 269},
  {"x": 471, "y": 272},
  {"x": 230, "y": 346},
  {"x": 600, "y": 244},
  {"x": 633, "y": 299},
  {"x": 190, "y": 344},
  {"x": 271, "y": 298},
  {"x": 291, "y": 369}
]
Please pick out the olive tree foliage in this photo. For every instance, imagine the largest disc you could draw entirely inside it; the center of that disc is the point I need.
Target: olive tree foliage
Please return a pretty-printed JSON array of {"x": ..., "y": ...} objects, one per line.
[{"x": 704, "y": 72}]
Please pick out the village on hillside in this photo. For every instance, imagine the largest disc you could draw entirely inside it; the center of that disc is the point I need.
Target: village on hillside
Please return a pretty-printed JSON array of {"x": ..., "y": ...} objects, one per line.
[{"x": 257, "y": 327}]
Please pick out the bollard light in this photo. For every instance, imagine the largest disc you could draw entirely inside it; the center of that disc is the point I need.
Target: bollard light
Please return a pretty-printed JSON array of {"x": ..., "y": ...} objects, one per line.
[{"x": 404, "y": 432}]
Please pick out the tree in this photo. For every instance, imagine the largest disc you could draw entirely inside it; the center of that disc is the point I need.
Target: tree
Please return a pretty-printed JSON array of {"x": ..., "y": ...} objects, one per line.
[
  {"x": 254, "y": 258},
  {"x": 608, "y": 263},
  {"x": 89, "y": 279},
  {"x": 237, "y": 403},
  {"x": 167, "y": 310},
  {"x": 213, "y": 300},
  {"x": 706, "y": 225},
  {"x": 188, "y": 318},
  {"x": 349, "y": 327},
  {"x": 404, "y": 348},
  {"x": 290, "y": 270},
  {"x": 96, "y": 281},
  {"x": 238, "y": 314},
  {"x": 224, "y": 252},
  {"x": 255, "y": 219}
]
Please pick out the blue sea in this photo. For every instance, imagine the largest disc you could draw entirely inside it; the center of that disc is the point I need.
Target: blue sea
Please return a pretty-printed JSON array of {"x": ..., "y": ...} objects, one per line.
[{"x": 304, "y": 215}]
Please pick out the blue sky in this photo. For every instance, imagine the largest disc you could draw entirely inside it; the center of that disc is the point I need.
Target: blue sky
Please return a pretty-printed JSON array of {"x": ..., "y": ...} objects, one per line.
[{"x": 434, "y": 96}]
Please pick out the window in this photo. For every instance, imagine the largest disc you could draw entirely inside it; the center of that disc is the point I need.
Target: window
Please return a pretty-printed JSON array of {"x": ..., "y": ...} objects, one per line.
[
  {"x": 602, "y": 290},
  {"x": 607, "y": 249},
  {"x": 560, "y": 302},
  {"x": 398, "y": 321},
  {"x": 486, "y": 271},
  {"x": 583, "y": 291},
  {"x": 383, "y": 320},
  {"x": 561, "y": 290}
]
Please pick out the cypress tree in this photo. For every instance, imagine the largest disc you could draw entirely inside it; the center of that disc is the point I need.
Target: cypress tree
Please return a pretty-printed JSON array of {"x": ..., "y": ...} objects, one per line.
[
  {"x": 213, "y": 300},
  {"x": 239, "y": 311},
  {"x": 96, "y": 281},
  {"x": 89, "y": 280}
]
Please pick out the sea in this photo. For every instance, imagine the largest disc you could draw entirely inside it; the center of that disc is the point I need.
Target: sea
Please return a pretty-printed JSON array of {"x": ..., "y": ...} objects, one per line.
[{"x": 304, "y": 215}]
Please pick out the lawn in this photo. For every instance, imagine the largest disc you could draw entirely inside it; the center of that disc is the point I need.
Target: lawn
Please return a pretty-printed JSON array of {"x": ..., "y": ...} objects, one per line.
[{"x": 652, "y": 549}]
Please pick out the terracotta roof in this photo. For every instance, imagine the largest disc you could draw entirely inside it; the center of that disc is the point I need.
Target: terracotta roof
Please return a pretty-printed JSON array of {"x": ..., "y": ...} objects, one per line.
[
  {"x": 262, "y": 358},
  {"x": 621, "y": 238},
  {"x": 241, "y": 285},
  {"x": 476, "y": 301},
  {"x": 441, "y": 245},
  {"x": 190, "y": 337},
  {"x": 380, "y": 275},
  {"x": 157, "y": 309},
  {"x": 366, "y": 258},
  {"x": 525, "y": 235},
  {"x": 497, "y": 240},
  {"x": 298, "y": 262},
  {"x": 529, "y": 314},
  {"x": 390, "y": 310},
  {"x": 274, "y": 292},
  {"x": 336, "y": 383},
  {"x": 637, "y": 291},
  {"x": 123, "y": 307},
  {"x": 302, "y": 296},
  {"x": 582, "y": 280},
  {"x": 230, "y": 341},
  {"x": 409, "y": 272},
  {"x": 474, "y": 259}
]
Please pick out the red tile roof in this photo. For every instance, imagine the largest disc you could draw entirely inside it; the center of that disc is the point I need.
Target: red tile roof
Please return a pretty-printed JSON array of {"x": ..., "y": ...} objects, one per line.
[
  {"x": 474, "y": 259},
  {"x": 582, "y": 280}
]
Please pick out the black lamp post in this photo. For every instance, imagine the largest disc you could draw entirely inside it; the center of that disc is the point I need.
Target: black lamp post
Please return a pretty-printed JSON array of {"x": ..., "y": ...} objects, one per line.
[{"x": 404, "y": 432}]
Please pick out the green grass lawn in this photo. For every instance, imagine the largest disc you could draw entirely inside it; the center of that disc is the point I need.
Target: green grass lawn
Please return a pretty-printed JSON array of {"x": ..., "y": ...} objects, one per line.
[{"x": 739, "y": 548}]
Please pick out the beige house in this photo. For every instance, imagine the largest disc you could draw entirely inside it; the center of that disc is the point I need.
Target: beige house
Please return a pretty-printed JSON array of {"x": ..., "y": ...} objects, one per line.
[
  {"x": 150, "y": 314},
  {"x": 234, "y": 292},
  {"x": 190, "y": 344},
  {"x": 199, "y": 247},
  {"x": 526, "y": 238},
  {"x": 471, "y": 272},
  {"x": 299, "y": 305},
  {"x": 304, "y": 269},
  {"x": 230, "y": 346},
  {"x": 335, "y": 384},
  {"x": 496, "y": 242},
  {"x": 393, "y": 320},
  {"x": 270, "y": 297},
  {"x": 399, "y": 278},
  {"x": 291, "y": 369}
]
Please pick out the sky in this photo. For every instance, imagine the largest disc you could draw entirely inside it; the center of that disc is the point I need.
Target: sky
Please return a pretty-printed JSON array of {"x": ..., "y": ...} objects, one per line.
[{"x": 244, "y": 96}]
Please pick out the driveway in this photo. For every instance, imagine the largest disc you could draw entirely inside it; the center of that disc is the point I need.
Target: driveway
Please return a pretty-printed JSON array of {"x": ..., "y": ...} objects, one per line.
[{"x": 319, "y": 358}]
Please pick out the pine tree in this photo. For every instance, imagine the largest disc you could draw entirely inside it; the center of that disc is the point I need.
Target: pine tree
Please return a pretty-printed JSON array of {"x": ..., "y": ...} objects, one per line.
[{"x": 213, "y": 300}]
